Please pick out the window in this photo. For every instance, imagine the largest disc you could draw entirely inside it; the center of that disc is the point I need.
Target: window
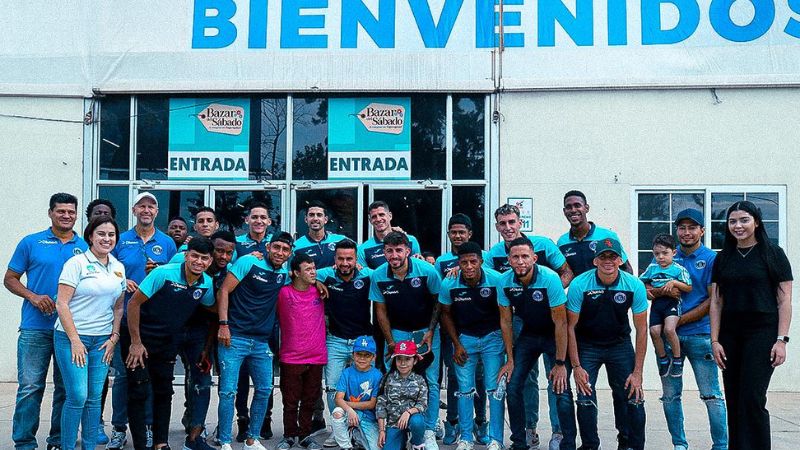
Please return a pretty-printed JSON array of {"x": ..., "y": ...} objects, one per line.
[{"x": 657, "y": 209}]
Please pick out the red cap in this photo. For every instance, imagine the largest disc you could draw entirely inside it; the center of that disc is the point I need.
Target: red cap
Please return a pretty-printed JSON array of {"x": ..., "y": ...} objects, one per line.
[{"x": 405, "y": 348}]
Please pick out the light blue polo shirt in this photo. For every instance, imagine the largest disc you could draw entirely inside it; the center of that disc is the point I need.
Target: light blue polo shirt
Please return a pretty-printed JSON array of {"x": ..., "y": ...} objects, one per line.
[
  {"x": 699, "y": 264},
  {"x": 547, "y": 254},
  {"x": 246, "y": 245},
  {"x": 41, "y": 257},
  {"x": 580, "y": 253},
  {"x": 322, "y": 252},
  {"x": 370, "y": 252},
  {"x": 449, "y": 260}
]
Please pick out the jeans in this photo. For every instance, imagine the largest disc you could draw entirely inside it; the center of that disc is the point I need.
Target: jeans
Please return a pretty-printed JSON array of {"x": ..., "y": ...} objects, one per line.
[
  {"x": 301, "y": 386},
  {"x": 531, "y": 391},
  {"x": 84, "y": 386},
  {"x": 431, "y": 374},
  {"x": 258, "y": 357},
  {"x": 340, "y": 353},
  {"x": 526, "y": 354},
  {"x": 191, "y": 343},
  {"x": 243, "y": 386},
  {"x": 697, "y": 349},
  {"x": 34, "y": 351},
  {"x": 368, "y": 427},
  {"x": 396, "y": 438},
  {"x": 619, "y": 360},
  {"x": 490, "y": 350},
  {"x": 479, "y": 399},
  {"x": 119, "y": 394}
]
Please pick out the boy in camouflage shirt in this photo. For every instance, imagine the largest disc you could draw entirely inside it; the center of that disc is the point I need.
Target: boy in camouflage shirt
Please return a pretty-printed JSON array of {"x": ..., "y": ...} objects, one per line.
[{"x": 402, "y": 401}]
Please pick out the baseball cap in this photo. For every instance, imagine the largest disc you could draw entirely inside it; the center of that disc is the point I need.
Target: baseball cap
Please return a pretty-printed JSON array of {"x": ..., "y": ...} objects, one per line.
[
  {"x": 691, "y": 214},
  {"x": 608, "y": 245},
  {"x": 144, "y": 195},
  {"x": 405, "y": 348},
  {"x": 364, "y": 344}
]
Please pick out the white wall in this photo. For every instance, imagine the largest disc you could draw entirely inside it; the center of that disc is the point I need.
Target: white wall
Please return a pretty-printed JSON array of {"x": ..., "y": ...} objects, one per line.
[
  {"x": 607, "y": 142},
  {"x": 37, "y": 159}
]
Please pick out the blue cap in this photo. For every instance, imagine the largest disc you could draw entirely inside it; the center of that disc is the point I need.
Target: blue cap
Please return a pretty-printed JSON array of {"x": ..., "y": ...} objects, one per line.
[
  {"x": 364, "y": 344},
  {"x": 691, "y": 214}
]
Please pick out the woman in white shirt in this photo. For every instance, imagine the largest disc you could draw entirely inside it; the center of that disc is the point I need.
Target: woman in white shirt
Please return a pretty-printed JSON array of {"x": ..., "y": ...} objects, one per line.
[{"x": 89, "y": 305}]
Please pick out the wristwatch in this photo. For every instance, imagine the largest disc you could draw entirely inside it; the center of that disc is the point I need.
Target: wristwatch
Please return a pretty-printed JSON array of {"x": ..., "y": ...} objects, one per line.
[
  {"x": 223, "y": 322},
  {"x": 560, "y": 362},
  {"x": 784, "y": 339}
]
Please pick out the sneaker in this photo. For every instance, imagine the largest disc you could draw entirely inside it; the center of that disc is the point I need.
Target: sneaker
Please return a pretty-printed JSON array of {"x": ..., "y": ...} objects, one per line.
[
  {"x": 198, "y": 444},
  {"x": 357, "y": 438},
  {"x": 622, "y": 442},
  {"x": 148, "y": 435},
  {"x": 266, "y": 429},
  {"x": 242, "y": 424},
  {"x": 676, "y": 370},
  {"x": 215, "y": 436},
  {"x": 226, "y": 447},
  {"x": 555, "y": 441},
  {"x": 430, "y": 440},
  {"x": 481, "y": 432},
  {"x": 118, "y": 440},
  {"x": 318, "y": 425},
  {"x": 439, "y": 430},
  {"x": 53, "y": 447},
  {"x": 494, "y": 445},
  {"x": 309, "y": 444},
  {"x": 465, "y": 445},
  {"x": 442, "y": 404},
  {"x": 286, "y": 443},
  {"x": 450, "y": 433},
  {"x": 102, "y": 437},
  {"x": 532, "y": 438},
  {"x": 254, "y": 446},
  {"x": 664, "y": 364},
  {"x": 330, "y": 442}
]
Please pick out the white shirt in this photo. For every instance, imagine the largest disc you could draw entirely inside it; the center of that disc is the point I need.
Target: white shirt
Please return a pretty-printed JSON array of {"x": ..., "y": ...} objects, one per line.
[{"x": 97, "y": 288}]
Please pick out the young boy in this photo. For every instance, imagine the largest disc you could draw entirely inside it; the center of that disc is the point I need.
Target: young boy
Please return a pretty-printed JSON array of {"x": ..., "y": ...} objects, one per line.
[
  {"x": 303, "y": 353},
  {"x": 402, "y": 401},
  {"x": 660, "y": 278},
  {"x": 356, "y": 397}
]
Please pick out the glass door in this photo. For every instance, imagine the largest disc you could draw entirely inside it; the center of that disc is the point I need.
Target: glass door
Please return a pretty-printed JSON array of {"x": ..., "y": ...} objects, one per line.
[
  {"x": 341, "y": 202},
  {"x": 174, "y": 200},
  {"x": 417, "y": 209},
  {"x": 233, "y": 202}
]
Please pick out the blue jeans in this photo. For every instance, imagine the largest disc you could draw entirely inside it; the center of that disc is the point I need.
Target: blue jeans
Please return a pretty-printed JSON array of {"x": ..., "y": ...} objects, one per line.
[
  {"x": 259, "y": 361},
  {"x": 479, "y": 399},
  {"x": 619, "y": 360},
  {"x": 84, "y": 386},
  {"x": 368, "y": 427},
  {"x": 34, "y": 351},
  {"x": 531, "y": 391},
  {"x": 396, "y": 438},
  {"x": 119, "y": 394},
  {"x": 527, "y": 349},
  {"x": 697, "y": 349},
  {"x": 191, "y": 343},
  {"x": 340, "y": 353},
  {"x": 491, "y": 351},
  {"x": 431, "y": 374}
]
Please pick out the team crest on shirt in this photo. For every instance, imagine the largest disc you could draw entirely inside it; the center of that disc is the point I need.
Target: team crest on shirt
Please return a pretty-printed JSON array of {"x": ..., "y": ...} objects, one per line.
[
  {"x": 700, "y": 265},
  {"x": 76, "y": 251},
  {"x": 332, "y": 246},
  {"x": 197, "y": 294},
  {"x": 157, "y": 250},
  {"x": 486, "y": 292},
  {"x": 593, "y": 245},
  {"x": 279, "y": 278},
  {"x": 416, "y": 282},
  {"x": 620, "y": 297},
  {"x": 537, "y": 296},
  {"x": 358, "y": 284},
  {"x": 90, "y": 268}
]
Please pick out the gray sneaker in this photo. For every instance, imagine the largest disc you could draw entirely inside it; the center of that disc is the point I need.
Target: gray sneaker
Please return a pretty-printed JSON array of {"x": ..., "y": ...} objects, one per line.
[
  {"x": 310, "y": 444},
  {"x": 532, "y": 437},
  {"x": 118, "y": 440},
  {"x": 286, "y": 443}
]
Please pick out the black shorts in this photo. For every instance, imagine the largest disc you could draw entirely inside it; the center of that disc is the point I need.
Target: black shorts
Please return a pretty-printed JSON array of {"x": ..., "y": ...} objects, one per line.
[{"x": 662, "y": 308}]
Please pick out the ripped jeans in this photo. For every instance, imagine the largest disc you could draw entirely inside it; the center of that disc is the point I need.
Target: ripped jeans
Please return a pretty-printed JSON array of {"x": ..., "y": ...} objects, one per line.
[
  {"x": 619, "y": 360},
  {"x": 490, "y": 350},
  {"x": 697, "y": 349}
]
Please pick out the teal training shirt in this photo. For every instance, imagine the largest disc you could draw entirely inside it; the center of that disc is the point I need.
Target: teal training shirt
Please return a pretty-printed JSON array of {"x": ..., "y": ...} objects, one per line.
[
  {"x": 449, "y": 260},
  {"x": 473, "y": 308},
  {"x": 370, "y": 252},
  {"x": 547, "y": 254},
  {"x": 410, "y": 301},
  {"x": 171, "y": 300},
  {"x": 580, "y": 253},
  {"x": 658, "y": 276},
  {"x": 532, "y": 303}
]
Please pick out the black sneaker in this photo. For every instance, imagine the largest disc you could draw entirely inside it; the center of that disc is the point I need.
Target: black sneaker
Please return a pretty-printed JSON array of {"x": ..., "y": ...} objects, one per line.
[
  {"x": 266, "y": 429},
  {"x": 53, "y": 447},
  {"x": 242, "y": 423},
  {"x": 310, "y": 444},
  {"x": 676, "y": 369},
  {"x": 198, "y": 444},
  {"x": 664, "y": 364},
  {"x": 317, "y": 425}
]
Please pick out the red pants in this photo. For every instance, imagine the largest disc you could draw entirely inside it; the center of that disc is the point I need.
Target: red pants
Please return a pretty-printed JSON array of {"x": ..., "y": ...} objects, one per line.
[{"x": 301, "y": 387}]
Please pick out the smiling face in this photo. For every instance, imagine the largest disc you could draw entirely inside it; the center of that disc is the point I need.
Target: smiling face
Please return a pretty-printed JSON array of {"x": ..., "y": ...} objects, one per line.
[
  {"x": 607, "y": 263},
  {"x": 258, "y": 220},
  {"x": 575, "y": 209},
  {"x": 205, "y": 224},
  {"x": 380, "y": 219},
  {"x": 197, "y": 262},
  {"x": 470, "y": 265},
  {"x": 404, "y": 364},
  {"x": 363, "y": 360},
  {"x": 508, "y": 225},
  {"x": 345, "y": 261},
  {"x": 145, "y": 211},
  {"x": 63, "y": 216},
  {"x": 279, "y": 252},
  {"x": 742, "y": 225},
  {"x": 689, "y": 233},
  {"x": 396, "y": 255},
  {"x": 103, "y": 239},
  {"x": 458, "y": 234},
  {"x": 316, "y": 219}
]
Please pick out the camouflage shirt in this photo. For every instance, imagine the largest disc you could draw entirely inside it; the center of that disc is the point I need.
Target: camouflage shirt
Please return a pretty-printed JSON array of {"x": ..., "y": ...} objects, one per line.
[{"x": 400, "y": 394}]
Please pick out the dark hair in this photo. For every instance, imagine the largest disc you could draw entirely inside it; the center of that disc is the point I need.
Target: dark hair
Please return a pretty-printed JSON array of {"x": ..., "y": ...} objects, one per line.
[
  {"x": 100, "y": 201},
  {"x": 96, "y": 222},
  {"x": 62, "y": 197},
  {"x": 317, "y": 204},
  {"x": 377, "y": 204},
  {"x": 505, "y": 210},
  {"x": 460, "y": 219},
  {"x": 769, "y": 252},
  {"x": 470, "y": 248},
  {"x": 257, "y": 204},
  {"x": 201, "y": 245},
  {"x": 225, "y": 235},
  {"x": 522, "y": 240},
  {"x": 206, "y": 209},
  {"x": 665, "y": 240},
  {"x": 298, "y": 259},
  {"x": 346, "y": 244},
  {"x": 284, "y": 237},
  {"x": 174, "y": 218},
  {"x": 575, "y": 193},
  {"x": 396, "y": 238},
  {"x": 427, "y": 254}
]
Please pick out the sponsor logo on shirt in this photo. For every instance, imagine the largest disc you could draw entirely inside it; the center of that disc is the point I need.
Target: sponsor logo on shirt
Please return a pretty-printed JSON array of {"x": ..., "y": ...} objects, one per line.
[
  {"x": 595, "y": 294},
  {"x": 620, "y": 297},
  {"x": 569, "y": 252},
  {"x": 462, "y": 296},
  {"x": 248, "y": 244},
  {"x": 335, "y": 288},
  {"x": 178, "y": 286},
  {"x": 118, "y": 273},
  {"x": 391, "y": 290},
  {"x": 260, "y": 278},
  {"x": 537, "y": 295},
  {"x": 416, "y": 282},
  {"x": 91, "y": 269},
  {"x": 47, "y": 242},
  {"x": 157, "y": 250},
  {"x": 129, "y": 242},
  {"x": 358, "y": 284},
  {"x": 700, "y": 265}
]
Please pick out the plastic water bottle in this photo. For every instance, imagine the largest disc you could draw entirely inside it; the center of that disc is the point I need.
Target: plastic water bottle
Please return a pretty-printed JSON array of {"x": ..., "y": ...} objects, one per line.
[{"x": 500, "y": 392}]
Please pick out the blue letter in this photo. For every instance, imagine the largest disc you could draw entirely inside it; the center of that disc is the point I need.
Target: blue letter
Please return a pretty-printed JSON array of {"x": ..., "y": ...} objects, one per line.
[
  {"x": 486, "y": 20},
  {"x": 433, "y": 35},
  {"x": 226, "y": 30},
  {"x": 793, "y": 27},
  {"x": 688, "y": 18},
  {"x": 578, "y": 27},
  {"x": 617, "y": 22},
  {"x": 380, "y": 30},
  {"x": 257, "y": 37},
  {"x": 719, "y": 13},
  {"x": 292, "y": 22}
]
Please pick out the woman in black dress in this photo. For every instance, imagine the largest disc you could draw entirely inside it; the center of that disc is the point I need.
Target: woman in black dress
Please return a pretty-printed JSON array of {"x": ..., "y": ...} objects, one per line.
[{"x": 751, "y": 308}]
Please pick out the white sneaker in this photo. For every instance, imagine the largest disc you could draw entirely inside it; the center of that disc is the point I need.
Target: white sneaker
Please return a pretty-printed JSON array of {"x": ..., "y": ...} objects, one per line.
[
  {"x": 256, "y": 446},
  {"x": 494, "y": 445},
  {"x": 465, "y": 445},
  {"x": 532, "y": 437},
  {"x": 430, "y": 440},
  {"x": 555, "y": 441},
  {"x": 226, "y": 447}
]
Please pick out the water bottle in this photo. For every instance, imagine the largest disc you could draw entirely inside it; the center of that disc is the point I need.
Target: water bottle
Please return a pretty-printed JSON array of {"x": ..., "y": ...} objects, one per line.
[{"x": 500, "y": 392}]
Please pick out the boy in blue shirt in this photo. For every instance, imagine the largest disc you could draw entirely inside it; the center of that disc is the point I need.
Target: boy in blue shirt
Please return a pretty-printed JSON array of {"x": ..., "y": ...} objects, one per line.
[
  {"x": 666, "y": 311},
  {"x": 356, "y": 396}
]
